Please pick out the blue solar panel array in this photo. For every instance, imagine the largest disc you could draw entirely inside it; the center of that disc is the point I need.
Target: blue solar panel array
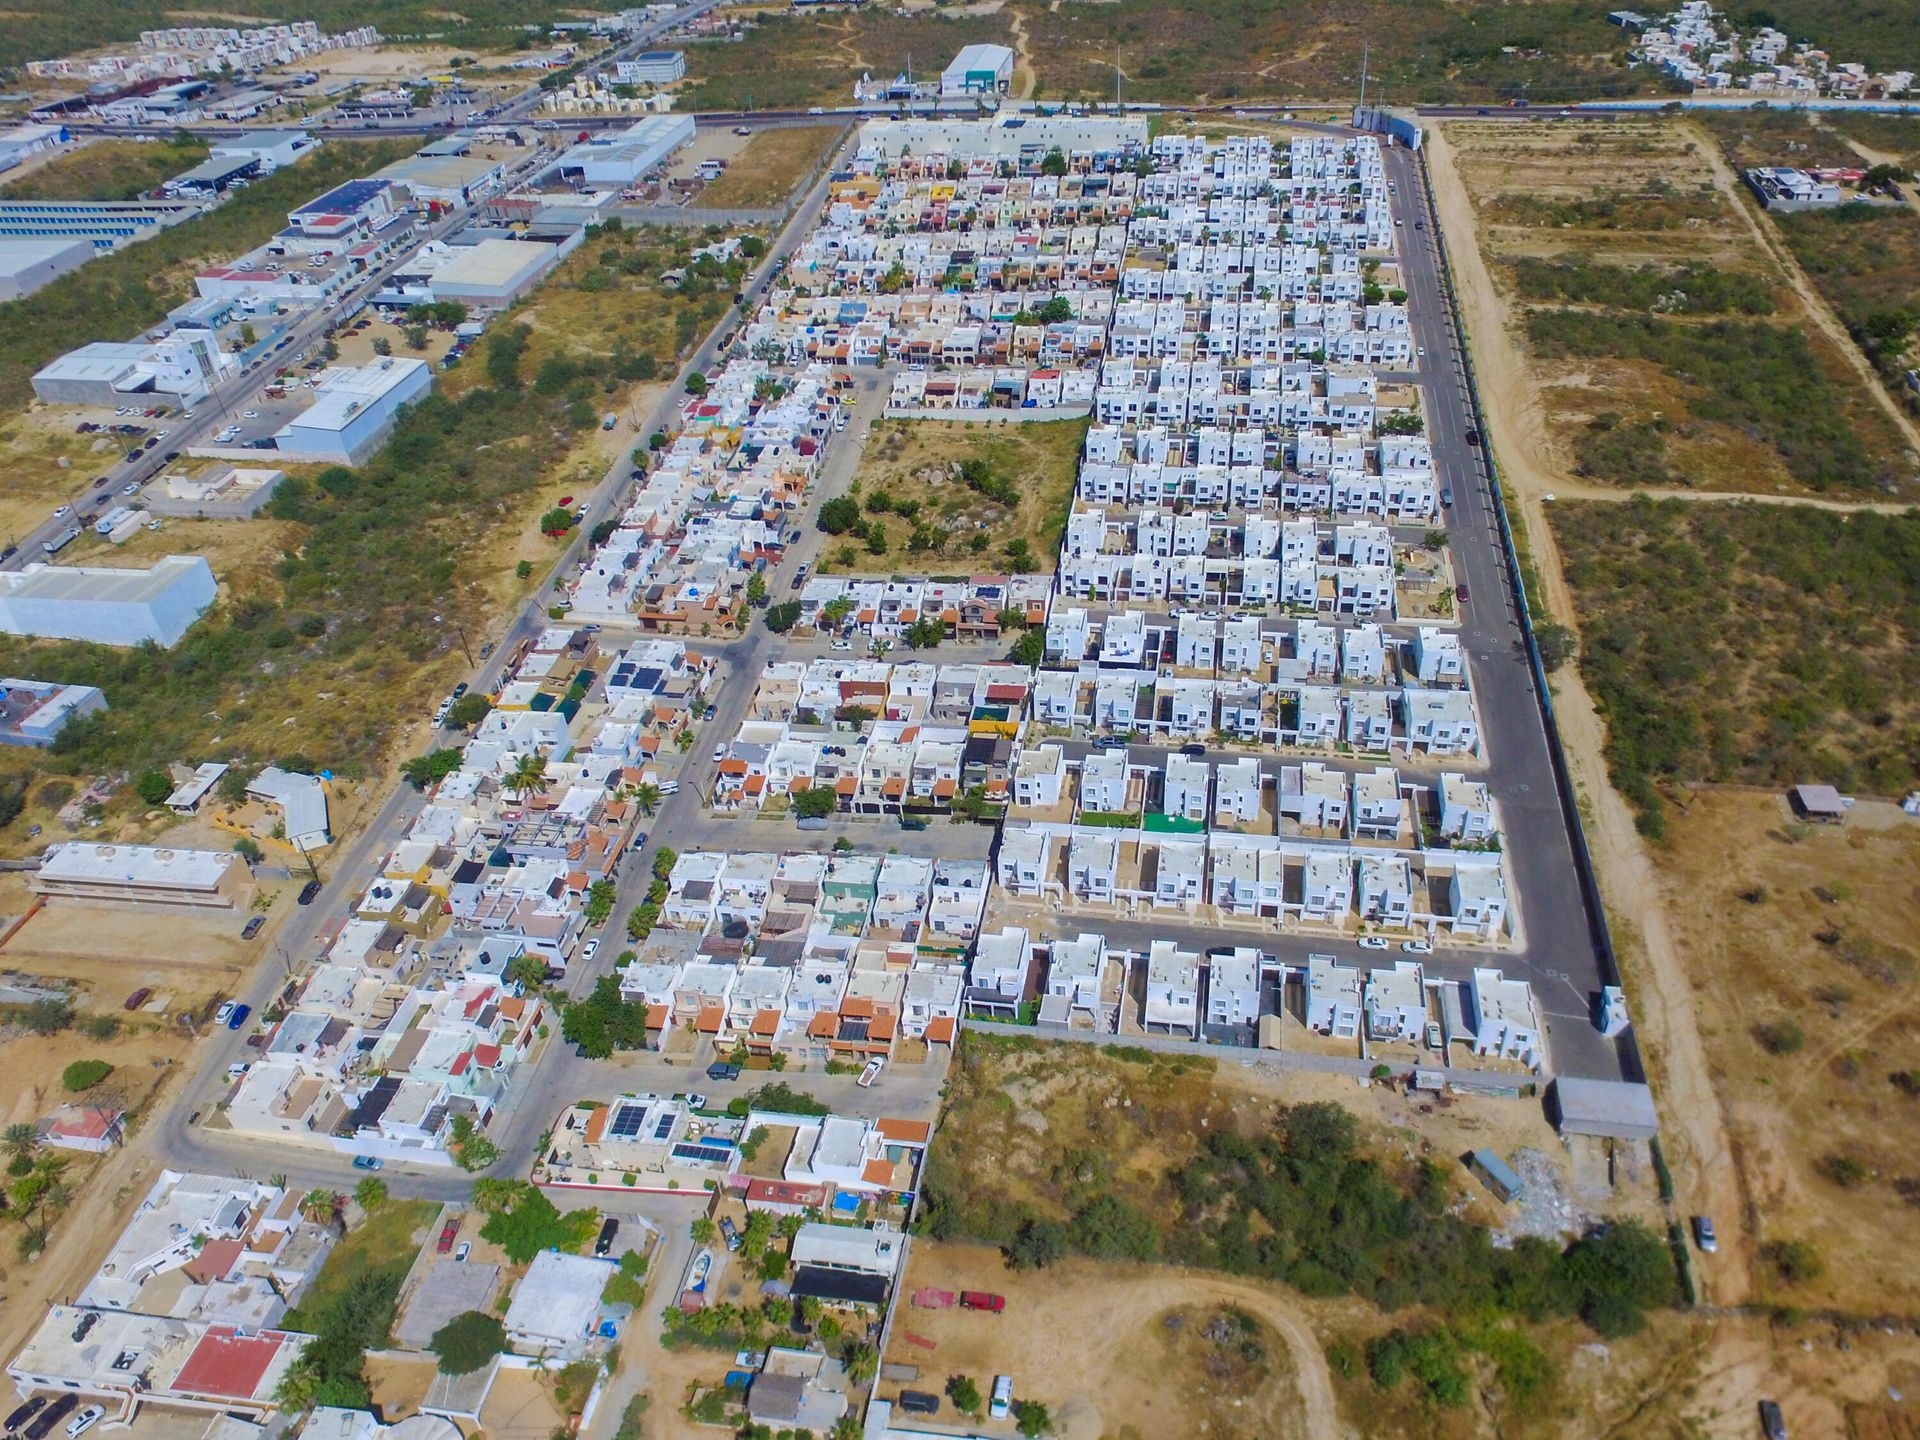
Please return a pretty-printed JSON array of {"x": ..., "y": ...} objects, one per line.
[
  {"x": 711, "y": 1154},
  {"x": 663, "y": 1127},
  {"x": 626, "y": 1122}
]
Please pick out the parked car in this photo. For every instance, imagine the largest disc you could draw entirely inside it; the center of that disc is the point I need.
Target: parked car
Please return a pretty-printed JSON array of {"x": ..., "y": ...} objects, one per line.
[
  {"x": 982, "y": 1300},
  {"x": 1473, "y": 436},
  {"x": 608, "y": 1230},
  {"x": 252, "y": 927},
  {"x": 309, "y": 892},
  {"x": 589, "y": 950},
  {"x": 719, "y": 753},
  {"x": 870, "y": 1072},
  {"x": 465, "y": 1249},
  {"x": 1772, "y": 1422},
  {"x": 1195, "y": 750},
  {"x": 239, "y": 1016},
  {"x": 224, "y": 1013},
  {"x": 367, "y": 1162},
  {"x": 22, "y": 1414},
  {"x": 729, "y": 1232},
  {"x": 51, "y": 1416},
  {"x": 448, "y": 1231},
  {"x": 1002, "y": 1404},
  {"x": 709, "y": 713},
  {"x": 723, "y": 1070},
  {"x": 1446, "y": 497},
  {"x": 919, "y": 1402},
  {"x": 841, "y": 645},
  {"x": 137, "y": 999},
  {"x": 1703, "y": 1234},
  {"x": 1372, "y": 942},
  {"x": 84, "y": 1421},
  {"x": 1417, "y": 947}
]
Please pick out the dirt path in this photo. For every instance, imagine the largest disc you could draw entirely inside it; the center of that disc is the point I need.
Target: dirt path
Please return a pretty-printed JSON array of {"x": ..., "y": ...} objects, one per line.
[
  {"x": 1810, "y": 298},
  {"x": 1707, "y": 1177},
  {"x": 1878, "y": 157},
  {"x": 1575, "y": 489},
  {"x": 1023, "y": 76}
]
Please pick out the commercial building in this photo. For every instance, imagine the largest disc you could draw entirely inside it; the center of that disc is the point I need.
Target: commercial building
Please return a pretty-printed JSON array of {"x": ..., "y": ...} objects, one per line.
[
  {"x": 107, "y": 607},
  {"x": 272, "y": 148},
  {"x": 26, "y": 265},
  {"x": 213, "y": 176},
  {"x": 104, "y": 224},
  {"x": 622, "y": 158},
  {"x": 353, "y": 411},
  {"x": 33, "y": 712},
  {"x": 652, "y": 67},
  {"x": 978, "y": 70},
  {"x": 180, "y": 369},
  {"x": 444, "y": 180},
  {"x": 143, "y": 875}
]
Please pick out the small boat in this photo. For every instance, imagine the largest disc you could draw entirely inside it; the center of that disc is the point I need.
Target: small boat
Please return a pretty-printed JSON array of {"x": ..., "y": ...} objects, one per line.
[{"x": 702, "y": 1263}]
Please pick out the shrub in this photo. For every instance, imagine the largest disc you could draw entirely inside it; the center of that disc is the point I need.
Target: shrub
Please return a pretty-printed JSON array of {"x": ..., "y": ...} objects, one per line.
[
  {"x": 1780, "y": 1037},
  {"x": 468, "y": 1341},
  {"x": 84, "y": 1074},
  {"x": 1796, "y": 1262}
]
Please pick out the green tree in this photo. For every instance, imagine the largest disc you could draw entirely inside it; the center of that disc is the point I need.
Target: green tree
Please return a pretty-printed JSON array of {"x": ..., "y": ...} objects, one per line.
[
  {"x": 647, "y": 796},
  {"x": 1019, "y": 554},
  {"x": 154, "y": 787},
  {"x": 756, "y": 588},
  {"x": 782, "y": 617},
  {"x": 423, "y": 771},
  {"x": 371, "y": 1193},
  {"x": 1054, "y": 162},
  {"x": 924, "y": 634},
  {"x": 816, "y": 802},
  {"x": 1038, "y": 1244},
  {"x": 599, "y": 906},
  {"x": 20, "y": 1140},
  {"x": 533, "y": 1223},
  {"x": 469, "y": 710},
  {"x": 248, "y": 850},
  {"x": 557, "y": 521},
  {"x": 471, "y": 1149},
  {"x": 468, "y": 1341},
  {"x": 964, "y": 1391},
  {"x": 1032, "y": 1418},
  {"x": 839, "y": 515},
  {"x": 1030, "y": 649}
]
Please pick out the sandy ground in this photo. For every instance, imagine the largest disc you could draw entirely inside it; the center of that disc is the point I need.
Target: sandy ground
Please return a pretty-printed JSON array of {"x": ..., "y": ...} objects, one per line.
[
  {"x": 1693, "y": 1124},
  {"x": 399, "y": 62},
  {"x": 1080, "y": 1337}
]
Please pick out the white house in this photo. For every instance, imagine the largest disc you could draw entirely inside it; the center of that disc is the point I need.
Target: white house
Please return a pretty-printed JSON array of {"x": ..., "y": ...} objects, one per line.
[
  {"x": 1397, "y": 1002},
  {"x": 1501, "y": 1016},
  {"x": 1332, "y": 997},
  {"x": 1233, "y": 987},
  {"x": 1466, "y": 810},
  {"x": 1173, "y": 990}
]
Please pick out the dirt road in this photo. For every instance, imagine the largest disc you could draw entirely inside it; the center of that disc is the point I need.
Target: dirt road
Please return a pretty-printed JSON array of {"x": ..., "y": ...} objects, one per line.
[{"x": 1694, "y": 1125}]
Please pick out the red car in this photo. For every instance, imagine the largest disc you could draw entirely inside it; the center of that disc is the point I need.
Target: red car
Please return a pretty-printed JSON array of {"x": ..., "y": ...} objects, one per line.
[
  {"x": 447, "y": 1232},
  {"x": 982, "y": 1300}
]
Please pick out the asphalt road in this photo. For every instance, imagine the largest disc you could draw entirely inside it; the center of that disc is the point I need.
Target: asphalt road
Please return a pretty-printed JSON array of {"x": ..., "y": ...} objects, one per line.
[{"x": 1560, "y": 960}]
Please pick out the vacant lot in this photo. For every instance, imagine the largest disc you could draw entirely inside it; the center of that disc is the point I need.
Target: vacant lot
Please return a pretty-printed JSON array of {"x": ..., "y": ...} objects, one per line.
[
  {"x": 381, "y": 1247},
  {"x": 107, "y": 170},
  {"x": 1121, "y": 1350},
  {"x": 765, "y": 172},
  {"x": 1762, "y": 644},
  {"x": 913, "y": 482},
  {"x": 1897, "y": 136},
  {"x": 117, "y": 295},
  {"x": 1801, "y": 940},
  {"x": 1237, "y": 49},
  {"x": 1865, "y": 261},
  {"x": 1776, "y": 137},
  {"x": 1672, "y": 349},
  {"x": 784, "y": 60}
]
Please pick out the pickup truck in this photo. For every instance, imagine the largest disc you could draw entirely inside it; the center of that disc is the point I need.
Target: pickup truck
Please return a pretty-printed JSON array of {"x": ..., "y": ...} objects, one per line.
[{"x": 982, "y": 1300}]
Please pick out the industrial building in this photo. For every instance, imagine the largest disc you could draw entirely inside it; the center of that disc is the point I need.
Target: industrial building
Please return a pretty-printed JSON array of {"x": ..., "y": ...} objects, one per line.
[
  {"x": 213, "y": 176},
  {"x": 979, "y": 70},
  {"x": 353, "y": 411},
  {"x": 26, "y": 265},
  {"x": 1019, "y": 139},
  {"x": 652, "y": 67},
  {"x": 272, "y": 148},
  {"x": 107, "y": 607},
  {"x": 105, "y": 224},
  {"x": 494, "y": 272},
  {"x": 443, "y": 179},
  {"x": 142, "y": 875},
  {"x": 25, "y": 140},
  {"x": 622, "y": 158},
  {"x": 33, "y": 712},
  {"x": 178, "y": 368}
]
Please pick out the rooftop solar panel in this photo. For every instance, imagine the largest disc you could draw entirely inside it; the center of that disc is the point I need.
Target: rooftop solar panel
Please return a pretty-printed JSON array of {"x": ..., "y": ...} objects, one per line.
[{"x": 626, "y": 1122}]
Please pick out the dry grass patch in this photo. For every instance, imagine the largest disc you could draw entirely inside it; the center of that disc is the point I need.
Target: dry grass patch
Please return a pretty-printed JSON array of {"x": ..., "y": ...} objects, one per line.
[
  {"x": 107, "y": 170},
  {"x": 763, "y": 175},
  {"x": 1800, "y": 942},
  {"x": 919, "y": 463}
]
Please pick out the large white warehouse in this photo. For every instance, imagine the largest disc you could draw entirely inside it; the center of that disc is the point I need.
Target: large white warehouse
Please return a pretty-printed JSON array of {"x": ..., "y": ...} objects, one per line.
[{"x": 622, "y": 158}]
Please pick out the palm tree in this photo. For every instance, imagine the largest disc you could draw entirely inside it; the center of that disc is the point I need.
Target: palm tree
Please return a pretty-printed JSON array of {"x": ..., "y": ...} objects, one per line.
[
  {"x": 322, "y": 1207},
  {"x": 647, "y": 797},
  {"x": 20, "y": 1140},
  {"x": 529, "y": 776}
]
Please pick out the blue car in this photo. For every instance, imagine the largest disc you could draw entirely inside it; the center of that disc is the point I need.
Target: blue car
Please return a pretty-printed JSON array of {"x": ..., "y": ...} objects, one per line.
[
  {"x": 366, "y": 1162},
  {"x": 239, "y": 1016}
]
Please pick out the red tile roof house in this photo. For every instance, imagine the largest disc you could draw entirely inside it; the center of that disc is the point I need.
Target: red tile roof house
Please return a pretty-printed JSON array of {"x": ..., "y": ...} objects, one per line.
[{"x": 93, "y": 1128}]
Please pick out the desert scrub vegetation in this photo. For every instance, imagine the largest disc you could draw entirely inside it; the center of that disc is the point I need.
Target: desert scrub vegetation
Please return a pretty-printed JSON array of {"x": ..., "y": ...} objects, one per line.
[
  {"x": 1758, "y": 644},
  {"x": 1692, "y": 289},
  {"x": 1177, "y": 1174},
  {"x": 1759, "y": 379},
  {"x": 1865, "y": 261}
]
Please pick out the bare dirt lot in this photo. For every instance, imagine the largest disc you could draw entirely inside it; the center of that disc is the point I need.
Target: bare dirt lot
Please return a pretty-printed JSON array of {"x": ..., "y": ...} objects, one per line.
[
  {"x": 1118, "y": 1350},
  {"x": 1798, "y": 939}
]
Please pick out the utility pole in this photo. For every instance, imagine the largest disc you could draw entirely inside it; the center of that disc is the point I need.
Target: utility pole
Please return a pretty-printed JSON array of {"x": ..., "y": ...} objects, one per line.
[
  {"x": 1116, "y": 79},
  {"x": 1365, "y": 50}
]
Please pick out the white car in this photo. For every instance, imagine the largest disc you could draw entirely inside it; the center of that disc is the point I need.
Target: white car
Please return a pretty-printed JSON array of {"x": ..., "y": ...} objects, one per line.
[
  {"x": 719, "y": 753},
  {"x": 131, "y": 488},
  {"x": 63, "y": 512},
  {"x": 1417, "y": 947},
  {"x": 464, "y": 1249},
  {"x": 815, "y": 110},
  {"x": 237, "y": 1069},
  {"x": 225, "y": 1012},
  {"x": 591, "y": 949},
  {"x": 669, "y": 787},
  {"x": 249, "y": 414},
  {"x": 843, "y": 645},
  {"x": 84, "y": 1421},
  {"x": 1372, "y": 942},
  {"x": 870, "y": 1074},
  {"x": 1002, "y": 1403}
]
